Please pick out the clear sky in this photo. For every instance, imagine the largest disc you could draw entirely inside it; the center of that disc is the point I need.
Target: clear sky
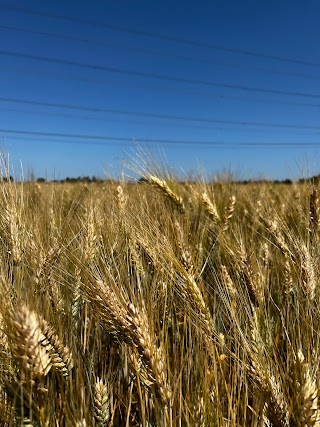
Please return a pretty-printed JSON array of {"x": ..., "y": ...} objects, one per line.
[{"x": 221, "y": 85}]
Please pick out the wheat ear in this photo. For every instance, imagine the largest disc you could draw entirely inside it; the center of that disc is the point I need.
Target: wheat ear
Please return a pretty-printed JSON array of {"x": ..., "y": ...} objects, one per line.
[
  {"x": 263, "y": 379},
  {"x": 228, "y": 213},
  {"x": 151, "y": 355},
  {"x": 121, "y": 198},
  {"x": 228, "y": 283},
  {"x": 305, "y": 395},
  {"x": 313, "y": 214},
  {"x": 251, "y": 279},
  {"x": 210, "y": 208},
  {"x": 132, "y": 326},
  {"x": 28, "y": 348},
  {"x": 101, "y": 403},
  {"x": 309, "y": 281},
  {"x": 166, "y": 191},
  {"x": 184, "y": 250},
  {"x": 61, "y": 357}
]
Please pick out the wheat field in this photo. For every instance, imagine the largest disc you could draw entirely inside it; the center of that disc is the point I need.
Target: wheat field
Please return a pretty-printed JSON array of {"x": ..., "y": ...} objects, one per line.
[{"x": 159, "y": 303}]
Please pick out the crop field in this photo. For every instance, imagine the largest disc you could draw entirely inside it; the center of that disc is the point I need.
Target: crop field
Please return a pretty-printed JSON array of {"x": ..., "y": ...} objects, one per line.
[{"x": 159, "y": 303}]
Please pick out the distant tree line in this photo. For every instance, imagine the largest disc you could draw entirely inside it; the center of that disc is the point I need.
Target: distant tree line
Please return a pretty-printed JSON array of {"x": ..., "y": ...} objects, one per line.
[
  {"x": 93, "y": 179},
  {"x": 86, "y": 179},
  {"x": 7, "y": 179}
]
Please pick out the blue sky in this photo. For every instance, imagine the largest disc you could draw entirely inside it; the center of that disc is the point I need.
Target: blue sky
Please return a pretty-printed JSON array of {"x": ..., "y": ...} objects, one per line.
[{"x": 229, "y": 85}]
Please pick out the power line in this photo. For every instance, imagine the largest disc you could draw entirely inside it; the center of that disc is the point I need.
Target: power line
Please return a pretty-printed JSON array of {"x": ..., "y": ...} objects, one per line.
[
  {"x": 95, "y": 137},
  {"x": 156, "y": 76},
  {"x": 143, "y": 122},
  {"x": 179, "y": 40},
  {"x": 135, "y": 122},
  {"x": 117, "y": 139},
  {"x": 159, "y": 53},
  {"x": 69, "y": 77},
  {"x": 66, "y": 141},
  {"x": 154, "y": 115},
  {"x": 200, "y": 145}
]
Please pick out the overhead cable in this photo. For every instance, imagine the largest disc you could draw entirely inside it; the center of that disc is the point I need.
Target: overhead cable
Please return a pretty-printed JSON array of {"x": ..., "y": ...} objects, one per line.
[
  {"x": 158, "y": 53},
  {"x": 149, "y": 34},
  {"x": 156, "y": 115},
  {"x": 157, "y": 76},
  {"x": 108, "y": 138}
]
